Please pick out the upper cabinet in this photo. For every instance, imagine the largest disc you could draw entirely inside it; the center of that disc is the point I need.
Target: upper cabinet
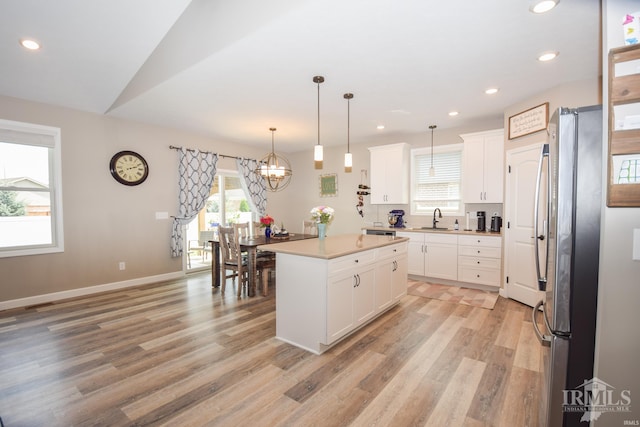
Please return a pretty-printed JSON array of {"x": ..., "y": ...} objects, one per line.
[
  {"x": 390, "y": 174},
  {"x": 483, "y": 167}
]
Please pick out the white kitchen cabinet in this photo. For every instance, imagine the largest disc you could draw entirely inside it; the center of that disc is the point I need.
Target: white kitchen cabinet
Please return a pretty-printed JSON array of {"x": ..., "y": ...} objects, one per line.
[
  {"x": 320, "y": 301},
  {"x": 483, "y": 167},
  {"x": 391, "y": 276},
  {"x": 350, "y": 299},
  {"x": 389, "y": 174},
  {"x": 432, "y": 254},
  {"x": 480, "y": 259}
]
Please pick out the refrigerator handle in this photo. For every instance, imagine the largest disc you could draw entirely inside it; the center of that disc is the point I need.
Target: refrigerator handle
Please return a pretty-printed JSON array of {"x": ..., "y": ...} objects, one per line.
[
  {"x": 545, "y": 340},
  {"x": 542, "y": 281}
]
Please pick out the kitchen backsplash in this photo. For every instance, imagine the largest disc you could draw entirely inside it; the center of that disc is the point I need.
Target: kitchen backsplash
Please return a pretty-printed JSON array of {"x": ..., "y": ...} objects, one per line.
[{"x": 415, "y": 221}]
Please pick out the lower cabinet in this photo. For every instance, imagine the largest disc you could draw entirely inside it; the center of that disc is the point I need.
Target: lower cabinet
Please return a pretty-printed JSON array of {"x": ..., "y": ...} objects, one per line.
[
  {"x": 391, "y": 277},
  {"x": 461, "y": 258},
  {"x": 479, "y": 259},
  {"x": 432, "y": 254},
  {"x": 320, "y": 301},
  {"x": 350, "y": 300}
]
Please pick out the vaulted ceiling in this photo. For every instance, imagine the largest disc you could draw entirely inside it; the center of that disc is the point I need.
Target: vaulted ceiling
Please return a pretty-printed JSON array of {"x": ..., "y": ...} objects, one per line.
[{"x": 233, "y": 69}]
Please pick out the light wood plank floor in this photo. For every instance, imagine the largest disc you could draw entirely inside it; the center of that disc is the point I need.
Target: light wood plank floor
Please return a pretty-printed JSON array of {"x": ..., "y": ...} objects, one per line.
[{"x": 180, "y": 354}]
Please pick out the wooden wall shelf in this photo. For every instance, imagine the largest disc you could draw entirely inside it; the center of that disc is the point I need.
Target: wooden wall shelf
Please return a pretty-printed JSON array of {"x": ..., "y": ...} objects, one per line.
[{"x": 623, "y": 90}]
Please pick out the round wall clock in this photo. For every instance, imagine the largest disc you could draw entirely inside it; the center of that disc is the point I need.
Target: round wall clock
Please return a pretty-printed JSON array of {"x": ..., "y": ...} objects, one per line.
[{"x": 129, "y": 168}]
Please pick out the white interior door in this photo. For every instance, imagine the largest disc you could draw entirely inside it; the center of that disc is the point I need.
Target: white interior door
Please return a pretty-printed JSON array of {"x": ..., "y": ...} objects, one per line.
[{"x": 520, "y": 270}]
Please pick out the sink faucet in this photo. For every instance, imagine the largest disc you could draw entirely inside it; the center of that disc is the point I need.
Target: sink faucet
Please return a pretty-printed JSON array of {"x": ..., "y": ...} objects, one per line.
[{"x": 435, "y": 221}]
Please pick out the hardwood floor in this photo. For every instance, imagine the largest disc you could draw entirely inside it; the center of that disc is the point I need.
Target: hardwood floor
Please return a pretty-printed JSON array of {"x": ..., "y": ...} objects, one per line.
[{"x": 180, "y": 354}]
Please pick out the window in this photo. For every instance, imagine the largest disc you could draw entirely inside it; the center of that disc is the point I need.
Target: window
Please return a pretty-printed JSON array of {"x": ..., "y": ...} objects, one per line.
[
  {"x": 442, "y": 190},
  {"x": 30, "y": 189}
]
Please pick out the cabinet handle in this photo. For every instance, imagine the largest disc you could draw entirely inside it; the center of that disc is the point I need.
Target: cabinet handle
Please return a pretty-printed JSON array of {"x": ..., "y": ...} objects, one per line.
[
  {"x": 478, "y": 276},
  {"x": 478, "y": 262},
  {"x": 478, "y": 251},
  {"x": 358, "y": 276},
  {"x": 357, "y": 260}
]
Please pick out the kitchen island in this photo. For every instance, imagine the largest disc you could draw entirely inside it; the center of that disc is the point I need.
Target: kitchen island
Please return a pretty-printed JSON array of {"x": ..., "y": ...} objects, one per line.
[{"x": 327, "y": 289}]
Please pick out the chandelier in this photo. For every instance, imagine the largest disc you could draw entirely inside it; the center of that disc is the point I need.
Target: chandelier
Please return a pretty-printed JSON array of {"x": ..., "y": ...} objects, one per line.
[{"x": 274, "y": 168}]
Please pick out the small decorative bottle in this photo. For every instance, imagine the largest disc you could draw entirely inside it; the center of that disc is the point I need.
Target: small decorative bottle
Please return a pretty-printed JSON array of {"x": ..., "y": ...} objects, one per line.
[{"x": 456, "y": 226}]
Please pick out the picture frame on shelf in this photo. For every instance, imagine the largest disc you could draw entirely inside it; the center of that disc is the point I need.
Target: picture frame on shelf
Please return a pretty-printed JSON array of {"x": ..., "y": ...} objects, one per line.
[{"x": 328, "y": 185}]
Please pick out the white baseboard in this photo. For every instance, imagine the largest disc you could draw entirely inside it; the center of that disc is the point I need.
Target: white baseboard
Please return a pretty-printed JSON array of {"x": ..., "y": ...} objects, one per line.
[
  {"x": 73, "y": 293},
  {"x": 503, "y": 293}
]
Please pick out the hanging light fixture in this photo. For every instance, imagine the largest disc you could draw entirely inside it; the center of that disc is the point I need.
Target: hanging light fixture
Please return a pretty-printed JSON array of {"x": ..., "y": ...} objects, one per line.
[
  {"x": 317, "y": 151},
  {"x": 348, "y": 158},
  {"x": 274, "y": 168},
  {"x": 432, "y": 171}
]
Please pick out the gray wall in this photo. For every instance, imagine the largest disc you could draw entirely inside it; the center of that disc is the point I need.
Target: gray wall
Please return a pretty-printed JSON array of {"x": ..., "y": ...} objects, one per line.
[
  {"x": 105, "y": 222},
  {"x": 618, "y": 337}
]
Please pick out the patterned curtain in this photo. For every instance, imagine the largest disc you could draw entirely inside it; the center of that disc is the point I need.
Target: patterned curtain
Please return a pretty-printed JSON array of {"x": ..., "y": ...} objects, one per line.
[
  {"x": 253, "y": 185},
  {"x": 196, "y": 172}
]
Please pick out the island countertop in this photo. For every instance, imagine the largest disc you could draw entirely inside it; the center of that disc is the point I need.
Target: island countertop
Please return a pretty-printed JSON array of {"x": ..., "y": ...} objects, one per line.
[{"x": 332, "y": 246}]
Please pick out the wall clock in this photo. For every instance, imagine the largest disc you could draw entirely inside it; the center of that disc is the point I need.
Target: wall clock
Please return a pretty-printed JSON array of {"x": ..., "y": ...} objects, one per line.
[{"x": 129, "y": 168}]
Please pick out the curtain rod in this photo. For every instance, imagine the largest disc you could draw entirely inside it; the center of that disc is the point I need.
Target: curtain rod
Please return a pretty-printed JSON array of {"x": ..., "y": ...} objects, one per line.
[{"x": 173, "y": 147}]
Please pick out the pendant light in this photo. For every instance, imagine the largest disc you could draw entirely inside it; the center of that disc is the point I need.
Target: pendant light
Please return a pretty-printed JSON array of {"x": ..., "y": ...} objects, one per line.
[
  {"x": 432, "y": 171},
  {"x": 274, "y": 168},
  {"x": 348, "y": 159},
  {"x": 317, "y": 151}
]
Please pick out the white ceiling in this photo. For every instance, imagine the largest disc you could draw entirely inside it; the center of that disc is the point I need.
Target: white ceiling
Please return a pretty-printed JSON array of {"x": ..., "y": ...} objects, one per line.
[{"x": 232, "y": 69}]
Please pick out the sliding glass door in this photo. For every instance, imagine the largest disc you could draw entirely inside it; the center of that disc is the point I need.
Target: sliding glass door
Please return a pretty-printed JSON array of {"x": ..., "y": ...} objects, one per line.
[{"x": 226, "y": 205}]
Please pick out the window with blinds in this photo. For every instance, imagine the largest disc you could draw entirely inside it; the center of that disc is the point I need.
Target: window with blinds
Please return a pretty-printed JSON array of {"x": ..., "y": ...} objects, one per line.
[{"x": 442, "y": 190}]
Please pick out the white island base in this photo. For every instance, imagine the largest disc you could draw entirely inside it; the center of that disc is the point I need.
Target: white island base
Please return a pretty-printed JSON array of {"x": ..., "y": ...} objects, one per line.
[{"x": 327, "y": 289}]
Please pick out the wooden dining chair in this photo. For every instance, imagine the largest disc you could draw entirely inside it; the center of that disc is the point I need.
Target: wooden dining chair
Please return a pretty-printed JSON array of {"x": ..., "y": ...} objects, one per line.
[
  {"x": 265, "y": 261},
  {"x": 232, "y": 259},
  {"x": 309, "y": 227}
]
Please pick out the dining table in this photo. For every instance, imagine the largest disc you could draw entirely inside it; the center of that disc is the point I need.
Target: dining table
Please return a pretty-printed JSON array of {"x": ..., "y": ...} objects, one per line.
[{"x": 250, "y": 245}]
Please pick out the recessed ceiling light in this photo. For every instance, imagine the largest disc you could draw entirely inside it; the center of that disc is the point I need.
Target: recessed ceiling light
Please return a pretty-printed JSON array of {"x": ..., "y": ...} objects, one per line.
[
  {"x": 29, "y": 44},
  {"x": 547, "y": 56},
  {"x": 380, "y": 127},
  {"x": 453, "y": 113},
  {"x": 491, "y": 91},
  {"x": 543, "y": 6}
]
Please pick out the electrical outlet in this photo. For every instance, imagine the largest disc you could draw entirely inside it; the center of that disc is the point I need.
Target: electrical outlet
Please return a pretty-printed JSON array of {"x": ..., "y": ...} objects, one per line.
[{"x": 122, "y": 265}]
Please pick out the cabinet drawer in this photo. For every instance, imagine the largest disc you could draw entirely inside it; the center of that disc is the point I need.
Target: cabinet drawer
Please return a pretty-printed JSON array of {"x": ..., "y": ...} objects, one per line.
[
  {"x": 480, "y": 240},
  {"x": 391, "y": 250},
  {"x": 479, "y": 251},
  {"x": 478, "y": 275},
  {"x": 472, "y": 261},
  {"x": 440, "y": 238},
  {"x": 351, "y": 261}
]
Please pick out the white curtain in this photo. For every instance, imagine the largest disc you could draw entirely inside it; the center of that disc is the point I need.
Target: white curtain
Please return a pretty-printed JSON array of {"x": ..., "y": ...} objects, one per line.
[
  {"x": 196, "y": 172},
  {"x": 253, "y": 185}
]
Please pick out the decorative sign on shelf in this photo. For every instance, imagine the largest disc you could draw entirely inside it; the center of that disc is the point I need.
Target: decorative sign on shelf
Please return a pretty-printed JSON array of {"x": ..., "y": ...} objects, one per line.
[
  {"x": 532, "y": 120},
  {"x": 329, "y": 185}
]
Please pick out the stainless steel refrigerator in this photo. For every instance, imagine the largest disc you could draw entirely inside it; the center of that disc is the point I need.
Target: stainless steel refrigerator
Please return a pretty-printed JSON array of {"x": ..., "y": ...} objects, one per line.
[{"x": 567, "y": 235}]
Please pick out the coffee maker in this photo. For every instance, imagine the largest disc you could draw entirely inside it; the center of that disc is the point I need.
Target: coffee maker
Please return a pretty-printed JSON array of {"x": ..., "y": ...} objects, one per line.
[
  {"x": 496, "y": 222},
  {"x": 482, "y": 221},
  {"x": 395, "y": 218}
]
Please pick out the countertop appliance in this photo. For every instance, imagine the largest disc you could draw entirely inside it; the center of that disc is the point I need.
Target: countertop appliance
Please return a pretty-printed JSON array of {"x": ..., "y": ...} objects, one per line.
[
  {"x": 396, "y": 218},
  {"x": 567, "y": 231},
  {"x": 496, "y": 223},
  {"x": 482, "y": 221}
]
